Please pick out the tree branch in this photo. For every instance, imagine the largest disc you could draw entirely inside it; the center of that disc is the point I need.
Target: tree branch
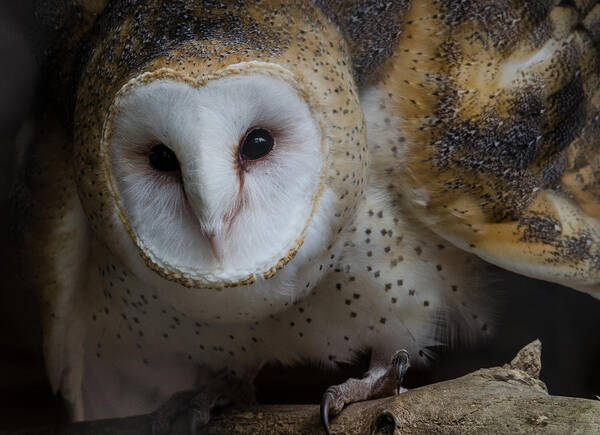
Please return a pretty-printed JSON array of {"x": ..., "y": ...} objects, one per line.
[{"x": 504, "y": 399}]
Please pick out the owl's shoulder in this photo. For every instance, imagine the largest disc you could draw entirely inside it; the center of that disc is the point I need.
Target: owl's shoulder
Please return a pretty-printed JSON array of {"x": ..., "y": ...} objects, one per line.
[
  {"x": 53, "y": 232},
  {"x": 498, "y": 111}
]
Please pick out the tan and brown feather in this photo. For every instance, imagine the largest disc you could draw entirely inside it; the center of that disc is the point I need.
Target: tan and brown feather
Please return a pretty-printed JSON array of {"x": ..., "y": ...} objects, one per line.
[{"x": 499, "y": 110}]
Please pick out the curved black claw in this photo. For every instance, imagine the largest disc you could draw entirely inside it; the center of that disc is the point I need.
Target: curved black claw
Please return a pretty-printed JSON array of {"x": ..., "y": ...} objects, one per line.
[
  {"x": 194, "y": 422},
  {"x": 401, "y": 363},
  {"x": 325, "y": 403},
  {"x": 165, "y": 415},
  {"x": 159, "y": 427}
]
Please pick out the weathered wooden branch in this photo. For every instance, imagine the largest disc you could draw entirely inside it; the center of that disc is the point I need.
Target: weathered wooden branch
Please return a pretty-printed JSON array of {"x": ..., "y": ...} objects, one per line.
[{"x": 508, "y": 399}]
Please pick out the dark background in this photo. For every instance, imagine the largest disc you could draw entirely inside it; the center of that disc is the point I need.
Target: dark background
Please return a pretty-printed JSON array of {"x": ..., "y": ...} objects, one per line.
[{"x": 567, "y": 322}]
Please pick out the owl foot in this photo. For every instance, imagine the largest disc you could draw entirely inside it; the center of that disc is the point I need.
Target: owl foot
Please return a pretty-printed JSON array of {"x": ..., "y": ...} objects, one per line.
[
  {"x": 199, "y": 404},
  {"x": 383, "y": 379}
]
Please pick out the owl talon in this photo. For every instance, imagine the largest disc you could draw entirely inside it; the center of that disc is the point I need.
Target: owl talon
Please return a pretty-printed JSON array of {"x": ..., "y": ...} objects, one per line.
[
  {"x": 331, "y": 405},
  {"x": 160, "y": 426},
  {"x": 200, "y": 408},
  {"x": 199, "y": 403},
  {"x": 325, "y": 401},
  {"x": 376, "y": 383},
  {"x": 198, "y": 418},
  {"x": 401, "y": 363},
  {"x": 165, "y": 415}
]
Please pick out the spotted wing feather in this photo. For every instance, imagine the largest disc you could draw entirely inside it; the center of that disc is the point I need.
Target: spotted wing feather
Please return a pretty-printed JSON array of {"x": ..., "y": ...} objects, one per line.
[
  {"x": 53, "y": 232},
  {"x": 497, "y": 111},
  {"x": 55, "y": 247}
]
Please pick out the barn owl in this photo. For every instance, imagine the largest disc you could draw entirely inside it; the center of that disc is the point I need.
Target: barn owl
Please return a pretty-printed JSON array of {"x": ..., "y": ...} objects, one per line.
[{"x": 231, "y": 183}]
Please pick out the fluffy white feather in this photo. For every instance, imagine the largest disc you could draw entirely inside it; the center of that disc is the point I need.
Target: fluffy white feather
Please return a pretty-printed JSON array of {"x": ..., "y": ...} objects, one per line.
[{"x": 271, "y": 199}]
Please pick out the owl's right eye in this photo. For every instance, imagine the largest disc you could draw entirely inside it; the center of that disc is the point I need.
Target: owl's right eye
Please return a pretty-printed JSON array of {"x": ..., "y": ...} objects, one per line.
[
  {"x": 257, "y": 144},
  {"x": 163, "y": 159}
]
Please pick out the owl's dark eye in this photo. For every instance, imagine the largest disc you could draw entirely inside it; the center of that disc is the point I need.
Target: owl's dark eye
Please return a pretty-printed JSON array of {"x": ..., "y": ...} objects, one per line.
[
  {"x": 163, "y": 159},
  {"x": 258, "y": 143}
]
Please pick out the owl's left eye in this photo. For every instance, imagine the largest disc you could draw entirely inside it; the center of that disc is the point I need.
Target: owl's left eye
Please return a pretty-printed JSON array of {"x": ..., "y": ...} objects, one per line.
[
  {"x": 162, "y": 158},
  {"x": 258, "y": 143}
]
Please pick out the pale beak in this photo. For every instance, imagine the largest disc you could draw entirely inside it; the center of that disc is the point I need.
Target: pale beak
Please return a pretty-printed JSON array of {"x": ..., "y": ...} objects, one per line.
[{"x": 216, "y": 246}]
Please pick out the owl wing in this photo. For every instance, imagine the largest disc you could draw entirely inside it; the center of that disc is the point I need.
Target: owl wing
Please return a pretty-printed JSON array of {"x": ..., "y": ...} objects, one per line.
[
  {"x": 54, "y": 243},
  {"x": 53, "y": 229},
  {"x": 496, "y": 107}
]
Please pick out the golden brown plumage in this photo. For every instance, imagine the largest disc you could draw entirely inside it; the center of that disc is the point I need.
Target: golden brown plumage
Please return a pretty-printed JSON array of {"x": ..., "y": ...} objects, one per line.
[
  {"x": 498, "y": 111},
  {"x": 497, "y": 105},
  {"x": 482, "y": 120}
]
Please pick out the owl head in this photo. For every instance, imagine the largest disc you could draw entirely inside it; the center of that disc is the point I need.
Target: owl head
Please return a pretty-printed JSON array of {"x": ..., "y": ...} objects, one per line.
[{"x": 216, "y": 143}]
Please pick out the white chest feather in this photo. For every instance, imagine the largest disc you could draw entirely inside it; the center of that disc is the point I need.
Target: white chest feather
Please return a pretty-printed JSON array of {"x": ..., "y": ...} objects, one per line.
[{"x": 395, "y": 285}]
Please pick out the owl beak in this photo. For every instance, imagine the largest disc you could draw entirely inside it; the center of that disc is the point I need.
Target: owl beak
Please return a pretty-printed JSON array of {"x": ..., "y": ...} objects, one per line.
[{"x": 215, "y": 246}]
